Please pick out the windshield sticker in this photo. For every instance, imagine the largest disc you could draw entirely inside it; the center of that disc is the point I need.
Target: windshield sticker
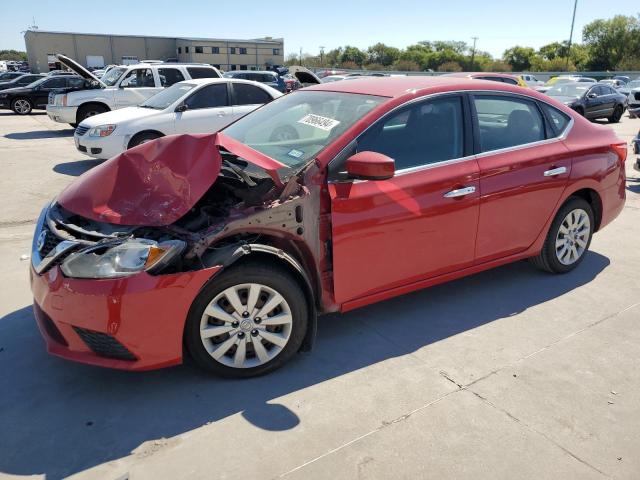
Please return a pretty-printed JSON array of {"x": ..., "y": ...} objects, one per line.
[
  {"x": 295, "y": 153},
  {"x": 323, "y": 123}
]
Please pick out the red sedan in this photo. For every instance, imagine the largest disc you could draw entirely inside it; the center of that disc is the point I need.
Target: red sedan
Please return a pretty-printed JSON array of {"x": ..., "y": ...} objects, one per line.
[{"x": 337, "y": 196}]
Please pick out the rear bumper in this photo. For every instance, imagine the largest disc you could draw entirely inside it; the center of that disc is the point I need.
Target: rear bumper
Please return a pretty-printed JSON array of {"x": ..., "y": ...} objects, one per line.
[
  {"x": 142, "y": 314},
  {"x": 62, "y": 114}
]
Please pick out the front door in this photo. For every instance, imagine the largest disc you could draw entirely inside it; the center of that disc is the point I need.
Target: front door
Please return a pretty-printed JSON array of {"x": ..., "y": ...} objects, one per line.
[
  {"x": 419, "y": 224},
  {"x": 135, "y": 87},
  {"x": 41, "y": 95},
  {"x": 523, "y": 172},
  {"x": 207, "y": 110}
]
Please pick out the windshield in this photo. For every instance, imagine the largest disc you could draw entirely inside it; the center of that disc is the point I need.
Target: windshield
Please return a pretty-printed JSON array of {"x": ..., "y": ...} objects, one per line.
[
  {"x": 294, "y": 128},
  {"x": 568, "y": 90},
  {"x": 111, "y": 77},
  {"x": 166, "y": 97}
]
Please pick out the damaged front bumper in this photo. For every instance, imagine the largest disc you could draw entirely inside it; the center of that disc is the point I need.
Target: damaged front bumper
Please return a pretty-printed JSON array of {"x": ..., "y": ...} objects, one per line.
[{"x": 130, "y": 323}]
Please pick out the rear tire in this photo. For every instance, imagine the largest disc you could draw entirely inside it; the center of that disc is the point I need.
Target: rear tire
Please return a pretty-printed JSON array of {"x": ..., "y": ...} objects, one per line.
[
  {"x": 87, "y": 111},
  {"x": 568, "y": 239},
  {"x": 279, "y": 330},
  {"x": 617, "y": 114},
  {"x": 22, "y": 106},
  {"x": 143, "y": 137}
]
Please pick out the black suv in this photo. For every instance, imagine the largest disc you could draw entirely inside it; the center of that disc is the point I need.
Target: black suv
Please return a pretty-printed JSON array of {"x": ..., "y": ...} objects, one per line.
[{"x": 22, "y": 100}]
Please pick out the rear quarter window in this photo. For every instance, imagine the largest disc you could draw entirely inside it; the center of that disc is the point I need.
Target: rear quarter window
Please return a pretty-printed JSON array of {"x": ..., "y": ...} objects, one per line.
[
  {"x": 202, "y": 72},
  {"x": 559, "y": 120}
]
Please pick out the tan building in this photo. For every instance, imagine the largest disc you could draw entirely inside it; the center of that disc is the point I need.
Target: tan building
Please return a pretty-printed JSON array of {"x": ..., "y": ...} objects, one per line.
[{"x": 98, "y": 50}]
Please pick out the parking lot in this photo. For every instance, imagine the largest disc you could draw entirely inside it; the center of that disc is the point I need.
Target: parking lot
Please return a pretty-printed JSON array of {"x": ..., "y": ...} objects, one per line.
[{"x": 511, "y": 373}]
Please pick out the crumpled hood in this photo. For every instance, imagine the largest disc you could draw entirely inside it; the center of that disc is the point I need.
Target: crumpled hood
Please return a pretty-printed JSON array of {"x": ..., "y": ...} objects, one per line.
[{"x": 156, "y": 183}]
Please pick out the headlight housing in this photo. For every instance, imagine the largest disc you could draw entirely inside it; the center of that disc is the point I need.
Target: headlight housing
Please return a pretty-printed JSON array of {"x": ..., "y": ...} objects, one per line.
[
  {"x": 121, "y": 259},
  {"x": 102, "y": 131}
]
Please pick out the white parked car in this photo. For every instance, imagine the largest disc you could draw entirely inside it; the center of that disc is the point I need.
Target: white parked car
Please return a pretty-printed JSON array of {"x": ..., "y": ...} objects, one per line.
[
  {"x": 633, "y": 99},
  {"x": 193, "y": 106},
  {"x": 121, "y": 86}
]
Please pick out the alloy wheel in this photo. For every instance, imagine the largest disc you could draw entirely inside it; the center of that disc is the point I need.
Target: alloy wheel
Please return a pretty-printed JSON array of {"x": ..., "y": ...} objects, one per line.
[
  {"x": 246, "y": 325},
  {"x": 573, "y": 236},
  {"x": 22, "y": 106}
]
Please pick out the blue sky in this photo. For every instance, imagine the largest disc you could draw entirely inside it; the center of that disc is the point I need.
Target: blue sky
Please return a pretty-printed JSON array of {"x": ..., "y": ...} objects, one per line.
[{"x": 328, "y": 23}]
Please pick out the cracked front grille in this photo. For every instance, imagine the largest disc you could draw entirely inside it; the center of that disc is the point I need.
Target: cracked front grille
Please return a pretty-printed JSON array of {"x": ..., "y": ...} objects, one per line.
[
  {"x": 51, "y": 241},
  {"x": 104, "y": 345}
]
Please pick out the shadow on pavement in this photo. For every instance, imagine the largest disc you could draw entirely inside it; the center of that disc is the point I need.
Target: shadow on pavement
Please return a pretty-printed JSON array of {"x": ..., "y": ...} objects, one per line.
[
  {"x": 77, "y": 167},
  {"x": 40, "y": 134},
  {"x": 58, "y": 417}
]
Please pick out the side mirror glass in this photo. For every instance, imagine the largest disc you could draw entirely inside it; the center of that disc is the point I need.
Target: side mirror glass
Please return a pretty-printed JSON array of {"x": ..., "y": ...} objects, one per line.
[
  {"x": 183, "y": 107},
  {"x": 592, "y": 95},
  {"x": 370, "y": 166}
]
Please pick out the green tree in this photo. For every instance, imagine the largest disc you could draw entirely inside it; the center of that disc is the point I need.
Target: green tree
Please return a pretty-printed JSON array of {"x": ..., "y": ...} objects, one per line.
[
  {"x": 553, "y": 50},
  {"x": 519, "y": 58},
  {"x": 419, "y": 54},
  {"x": 13, "y": 55},
  {"x": 382, "y": 54},
  {"x": 353, "y": 54},
  {"x": 450, "y": 67},
  {"x": 406, "y": 66},
  {"x": 612, "y": 42}
]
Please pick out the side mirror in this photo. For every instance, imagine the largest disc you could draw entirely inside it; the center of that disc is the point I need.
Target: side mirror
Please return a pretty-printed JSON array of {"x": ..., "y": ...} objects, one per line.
[
  {"x": 592, "y": 95},
  {"x": 183, "y": 107},
  {"x": 370, "y": 166}
]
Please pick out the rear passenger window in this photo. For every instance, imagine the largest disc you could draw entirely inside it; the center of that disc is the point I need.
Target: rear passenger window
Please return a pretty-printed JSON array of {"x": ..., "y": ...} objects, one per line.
[
  {"x": 510, "y": 81},
  {"x": 559, "y": 120},
  {"x": 422, "y": 134},
  {"x": 507, "y": 122},
  {"x": 249, "y": 94},
  {"x": 210, "y": 96},
  {"x": 141, "y": 77},
  {"x": 201, "y": 72},
  {"x": 169, "y": 76}
]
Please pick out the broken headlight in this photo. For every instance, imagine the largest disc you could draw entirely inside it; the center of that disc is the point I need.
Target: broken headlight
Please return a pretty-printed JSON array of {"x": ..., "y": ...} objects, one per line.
[{"x": 121, "y": 260}]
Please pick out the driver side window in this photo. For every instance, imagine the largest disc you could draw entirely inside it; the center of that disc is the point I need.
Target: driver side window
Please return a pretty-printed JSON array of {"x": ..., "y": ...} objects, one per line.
[
  {"x": 421, "y": 134},
  {"x": 141, "y": 77}
]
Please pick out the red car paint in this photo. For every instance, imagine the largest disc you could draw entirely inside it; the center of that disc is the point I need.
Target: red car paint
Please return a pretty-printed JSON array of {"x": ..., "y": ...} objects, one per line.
[{"x": 387, "y": 237}]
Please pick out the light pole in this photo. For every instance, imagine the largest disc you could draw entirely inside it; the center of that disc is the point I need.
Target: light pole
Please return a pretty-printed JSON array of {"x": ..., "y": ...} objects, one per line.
[
  {"x": 321, "y": 56},
  {"x": 473, "y": 53},
  {"x": 573, "y": 21}
]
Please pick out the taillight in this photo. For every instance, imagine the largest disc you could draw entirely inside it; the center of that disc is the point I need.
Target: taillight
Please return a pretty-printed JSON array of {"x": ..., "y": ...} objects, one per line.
[{"x": 620, "y": 149}]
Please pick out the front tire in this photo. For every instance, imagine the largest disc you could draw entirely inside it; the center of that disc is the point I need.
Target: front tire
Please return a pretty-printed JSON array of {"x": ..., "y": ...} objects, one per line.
[
  {"x": 22, "y": 106},
  {"x": 87, "y": 111},
  {"x": 247, "y": 321},
  {"x": 568, "y": 238},
  {"x": 617, "y": 115},
  {"x": 143, "y": 137}
]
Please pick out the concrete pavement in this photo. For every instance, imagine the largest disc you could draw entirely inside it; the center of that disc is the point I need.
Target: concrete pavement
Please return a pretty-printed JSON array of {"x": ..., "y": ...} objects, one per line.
[{"x": 510, "y": 373}]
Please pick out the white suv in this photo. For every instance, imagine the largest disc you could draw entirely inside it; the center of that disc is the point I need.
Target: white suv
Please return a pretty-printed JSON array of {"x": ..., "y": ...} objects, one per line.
[{"x": 121, "y": 86}]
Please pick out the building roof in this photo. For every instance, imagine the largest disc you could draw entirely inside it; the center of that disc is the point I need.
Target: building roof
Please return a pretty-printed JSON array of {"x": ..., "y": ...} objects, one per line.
[{"x": 255, "y": 40}]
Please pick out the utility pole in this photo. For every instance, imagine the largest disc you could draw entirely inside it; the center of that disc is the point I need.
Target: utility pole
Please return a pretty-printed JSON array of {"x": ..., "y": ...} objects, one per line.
[
  {"x": 573, "y": 21},
  {"x": 301, "y": 56},
  {"x": 473, "y": 53},
  {"x": 321, "y": 56}
]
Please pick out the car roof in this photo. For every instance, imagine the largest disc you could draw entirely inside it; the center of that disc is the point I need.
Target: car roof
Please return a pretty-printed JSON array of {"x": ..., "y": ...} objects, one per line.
[{"x": 413, "y": 85}]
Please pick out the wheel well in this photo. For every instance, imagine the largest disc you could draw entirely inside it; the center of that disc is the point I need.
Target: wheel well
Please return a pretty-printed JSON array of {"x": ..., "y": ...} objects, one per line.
[
  {"x": 88, "y": 104},
  {"x": 142, "y": 133},
  {"x": 592, "y": 197}
]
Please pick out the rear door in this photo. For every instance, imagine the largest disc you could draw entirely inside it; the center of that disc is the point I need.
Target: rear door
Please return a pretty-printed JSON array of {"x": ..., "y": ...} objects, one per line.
[
  {"x": 419, "y": 224},
  {"x": 135, "y": 87},
  {"x": 40, "y": 96},
  {"x": 523, "y": 171},
  {"x": 208, "y": 110},
  {"x": 246, "y": 98}
]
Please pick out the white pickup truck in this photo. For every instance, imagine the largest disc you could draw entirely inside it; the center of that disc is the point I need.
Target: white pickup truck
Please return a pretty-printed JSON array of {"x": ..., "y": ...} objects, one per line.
[{"x": 122, "y": 86}]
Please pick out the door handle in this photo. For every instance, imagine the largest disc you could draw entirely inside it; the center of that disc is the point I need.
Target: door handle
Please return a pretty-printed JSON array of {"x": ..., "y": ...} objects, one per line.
[
  {"x": 555, "y": 171},
  {"x": 460, "y": 192}
]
